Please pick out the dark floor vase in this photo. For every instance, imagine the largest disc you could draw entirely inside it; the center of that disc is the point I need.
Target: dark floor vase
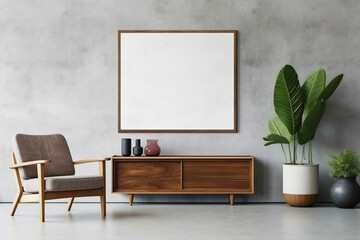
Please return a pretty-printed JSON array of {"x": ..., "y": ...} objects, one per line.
[{"x": 345, "y": 192}]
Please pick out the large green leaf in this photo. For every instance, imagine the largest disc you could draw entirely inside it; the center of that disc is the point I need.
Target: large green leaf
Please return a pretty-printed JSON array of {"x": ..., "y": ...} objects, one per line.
[
  {"x": 288, "y": 99},
  {"x": 312, "y": 89},
  {"x": 277, "y": 127},
  {"x": 331, "y": 87},
  {"x": 311, "y": 122},
  {"x": 275, "y": 139}
]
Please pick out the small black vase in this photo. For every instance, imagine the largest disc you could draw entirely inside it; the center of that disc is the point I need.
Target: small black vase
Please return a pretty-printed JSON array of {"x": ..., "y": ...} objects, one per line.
[
  {"x": 126, "y": 146},
  {"x": 137, "y": 150},
  {"x": 345, "y": 192}
]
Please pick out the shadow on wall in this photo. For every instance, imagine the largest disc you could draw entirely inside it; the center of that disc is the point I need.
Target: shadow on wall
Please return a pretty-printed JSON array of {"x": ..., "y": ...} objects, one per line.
[
  {"x": 340, "y": 127},
  {"x": 261, "y": 184}
]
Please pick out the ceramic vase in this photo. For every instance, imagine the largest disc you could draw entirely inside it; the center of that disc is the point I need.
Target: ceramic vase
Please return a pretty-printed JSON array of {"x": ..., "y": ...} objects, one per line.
[
  {"x": 137, "y": 150},
  {"x": 345, "y": 192},
  {"x": 300, "y": 184},
  {"x": 126, "y": 146},
  {"x": 152, "y": 148}
]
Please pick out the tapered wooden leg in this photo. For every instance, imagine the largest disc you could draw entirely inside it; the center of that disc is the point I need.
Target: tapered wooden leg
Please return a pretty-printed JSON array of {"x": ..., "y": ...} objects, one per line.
[
  {"x": 15, "y": 203},
  {"x": 40, "y": 170},
  {"x": 231, "y": 199},
  {"x": 19, "y": 187},
  {"x": 70, "y": 203},
  {"x": 131, "y": 199},
  {"x": 103, "y": 205},
  {"x": 102, "y": 172},
  {"x": 42, "y": 207}
]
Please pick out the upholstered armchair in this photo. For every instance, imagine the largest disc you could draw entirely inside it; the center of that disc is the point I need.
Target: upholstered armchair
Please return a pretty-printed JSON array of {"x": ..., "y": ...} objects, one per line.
[{"x": 44, "y": 170}]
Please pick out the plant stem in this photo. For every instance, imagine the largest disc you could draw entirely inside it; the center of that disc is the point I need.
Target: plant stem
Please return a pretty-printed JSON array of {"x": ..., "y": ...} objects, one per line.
[
  {"x": 309, "y": 149},
  {"x": 290, "y": 153},
  {"x": 294, "y": 149},
  {"x": 303, "y": 154},
  {"x": 284, "y": 152},
  {"x": 310, "y": 152}
]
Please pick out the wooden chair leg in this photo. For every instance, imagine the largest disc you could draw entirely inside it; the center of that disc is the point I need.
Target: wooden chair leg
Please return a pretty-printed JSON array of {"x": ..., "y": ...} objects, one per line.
[
  {"x": 15, "y": 203},
  {"x": 70, "y": 202},
  {"x": 103, "y": 205},
  {"x": 42, "y": 209},
  {"x": 41, "y": 173},
  {"x": 19, "y": 187},
  {"x": 102, "y": 172}
]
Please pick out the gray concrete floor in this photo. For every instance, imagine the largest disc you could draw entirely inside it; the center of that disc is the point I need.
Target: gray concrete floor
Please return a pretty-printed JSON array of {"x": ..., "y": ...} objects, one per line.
[{"x": 180, "y": 221}]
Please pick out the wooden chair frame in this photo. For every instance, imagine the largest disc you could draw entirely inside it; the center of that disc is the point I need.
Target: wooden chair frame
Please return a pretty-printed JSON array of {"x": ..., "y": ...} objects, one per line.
[{"x": 43, "y": 195}]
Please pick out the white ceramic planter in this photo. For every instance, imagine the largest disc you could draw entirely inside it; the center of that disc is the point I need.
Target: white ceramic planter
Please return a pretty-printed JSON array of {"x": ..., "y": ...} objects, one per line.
[{"x": 300, "y": 184}]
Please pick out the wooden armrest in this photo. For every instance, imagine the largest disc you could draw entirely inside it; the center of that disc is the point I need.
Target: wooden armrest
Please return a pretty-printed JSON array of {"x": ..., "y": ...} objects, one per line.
[
  {"x": 91, "y": 160},
  {"x": 30, "y": 163}
]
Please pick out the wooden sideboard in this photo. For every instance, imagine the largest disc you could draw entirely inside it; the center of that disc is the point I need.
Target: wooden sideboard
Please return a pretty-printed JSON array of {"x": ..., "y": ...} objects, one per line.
[{"x": 176, "y": 174}]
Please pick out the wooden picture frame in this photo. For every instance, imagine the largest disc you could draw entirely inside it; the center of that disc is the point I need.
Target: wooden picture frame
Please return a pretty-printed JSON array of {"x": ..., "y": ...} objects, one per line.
[{"x": 177, "y": 81}]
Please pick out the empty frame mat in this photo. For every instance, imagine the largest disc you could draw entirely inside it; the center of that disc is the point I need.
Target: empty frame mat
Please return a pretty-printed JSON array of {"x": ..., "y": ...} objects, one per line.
[{"x": 177, "y": 81}]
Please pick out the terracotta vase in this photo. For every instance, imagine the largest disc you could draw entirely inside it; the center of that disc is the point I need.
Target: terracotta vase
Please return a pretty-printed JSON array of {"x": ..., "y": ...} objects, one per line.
[{"x": 152, "y": 148}]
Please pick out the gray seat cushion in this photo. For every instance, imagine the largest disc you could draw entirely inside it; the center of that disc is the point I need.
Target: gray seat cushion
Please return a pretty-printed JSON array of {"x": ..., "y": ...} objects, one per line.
[
  {"x": 39, "y": 147},
  {"x": 66, "y": 183}
]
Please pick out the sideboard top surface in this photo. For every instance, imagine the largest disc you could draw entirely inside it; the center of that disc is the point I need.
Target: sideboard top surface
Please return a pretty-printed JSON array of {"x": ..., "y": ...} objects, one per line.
[{"x": 183, "y": 157}]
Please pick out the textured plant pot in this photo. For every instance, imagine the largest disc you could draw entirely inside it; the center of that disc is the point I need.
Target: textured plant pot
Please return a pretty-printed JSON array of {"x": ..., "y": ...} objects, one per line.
[
  {"x": 300, "y": 184},
  {"x": 345, "y": 192},
  {"x": 152, "y": 148}
]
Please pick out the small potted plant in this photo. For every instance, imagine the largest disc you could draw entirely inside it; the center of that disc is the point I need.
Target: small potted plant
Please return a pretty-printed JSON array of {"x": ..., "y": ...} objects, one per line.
[{"x": 345, "y": 167}]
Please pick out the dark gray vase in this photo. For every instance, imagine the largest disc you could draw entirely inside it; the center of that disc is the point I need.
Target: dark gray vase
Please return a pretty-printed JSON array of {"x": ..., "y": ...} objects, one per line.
[
  {"x": 345, "y": 192},
  {"x": 137, "y": 150},
  {"x": 126, "y": 146}
]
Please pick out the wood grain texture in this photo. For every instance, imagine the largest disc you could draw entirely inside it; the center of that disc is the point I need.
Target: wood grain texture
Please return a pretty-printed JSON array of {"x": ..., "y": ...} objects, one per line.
[
  {"x": 188, "y": 174},
  {"x": 77, "y": 193},
  {"x": 298, "y": 200},
  {"x": 224, "y": 175},
  {"x": 147, "y": 176},
  {"x": 205, "y": 158}
]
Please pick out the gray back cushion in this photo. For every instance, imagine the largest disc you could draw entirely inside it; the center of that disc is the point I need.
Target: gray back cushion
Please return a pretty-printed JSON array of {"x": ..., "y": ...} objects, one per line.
[{"x": 38, "y": 147}]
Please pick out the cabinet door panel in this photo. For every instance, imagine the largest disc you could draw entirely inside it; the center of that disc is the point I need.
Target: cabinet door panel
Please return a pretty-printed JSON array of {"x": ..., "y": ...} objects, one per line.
[
  {"x": 217, "y": 175},
  {"x": 147, "y": 176}
]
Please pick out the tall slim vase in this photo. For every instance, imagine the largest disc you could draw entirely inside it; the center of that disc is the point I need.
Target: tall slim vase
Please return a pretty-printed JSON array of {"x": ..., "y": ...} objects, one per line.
[{"x": 126, "y": 146}]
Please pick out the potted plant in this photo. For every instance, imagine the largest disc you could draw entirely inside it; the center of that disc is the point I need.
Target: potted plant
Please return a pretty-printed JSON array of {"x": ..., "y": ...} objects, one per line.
[
  {"x": 299, "y": 110},
  {"x": 345, "y": 167}
]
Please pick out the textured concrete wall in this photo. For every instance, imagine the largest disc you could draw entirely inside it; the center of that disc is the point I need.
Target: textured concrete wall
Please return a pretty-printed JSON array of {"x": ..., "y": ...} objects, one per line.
[{"x": 58, "y": 74}]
